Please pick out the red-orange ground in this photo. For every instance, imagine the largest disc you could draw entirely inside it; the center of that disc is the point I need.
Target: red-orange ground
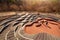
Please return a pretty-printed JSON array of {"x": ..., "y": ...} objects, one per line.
[{"x": 53, "y": 30}]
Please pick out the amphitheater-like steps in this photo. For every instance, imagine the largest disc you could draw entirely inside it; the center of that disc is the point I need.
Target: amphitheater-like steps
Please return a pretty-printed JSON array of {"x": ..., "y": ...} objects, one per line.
[
  {"x": 13, "y": 22},
  {"x": 10, "y": 36},
  {"x": 45, "y": 36}
]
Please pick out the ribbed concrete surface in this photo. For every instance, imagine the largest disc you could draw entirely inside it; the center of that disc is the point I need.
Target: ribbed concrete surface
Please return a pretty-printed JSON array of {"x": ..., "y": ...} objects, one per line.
[
  {"x": 45, "y": 36},
  {"x": 12, "y": 23}
]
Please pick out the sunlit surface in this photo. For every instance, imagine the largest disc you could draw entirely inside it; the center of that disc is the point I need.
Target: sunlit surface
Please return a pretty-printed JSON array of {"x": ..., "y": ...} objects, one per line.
[
  {"x": 42, "y": 26},
  {"x": 27, "y": 26}
]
